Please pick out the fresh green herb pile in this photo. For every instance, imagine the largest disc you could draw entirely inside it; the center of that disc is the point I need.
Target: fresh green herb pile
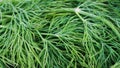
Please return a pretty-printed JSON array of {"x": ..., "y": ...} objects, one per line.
[{"x": 60, "y": 34}]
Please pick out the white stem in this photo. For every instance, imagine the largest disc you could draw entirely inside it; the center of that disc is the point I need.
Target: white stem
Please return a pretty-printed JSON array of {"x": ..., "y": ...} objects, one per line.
[{"x": 77, "y": 10}]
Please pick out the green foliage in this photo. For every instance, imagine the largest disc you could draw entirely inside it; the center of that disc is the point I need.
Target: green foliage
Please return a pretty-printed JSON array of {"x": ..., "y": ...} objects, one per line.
[{"x": 59, "y": 34}]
